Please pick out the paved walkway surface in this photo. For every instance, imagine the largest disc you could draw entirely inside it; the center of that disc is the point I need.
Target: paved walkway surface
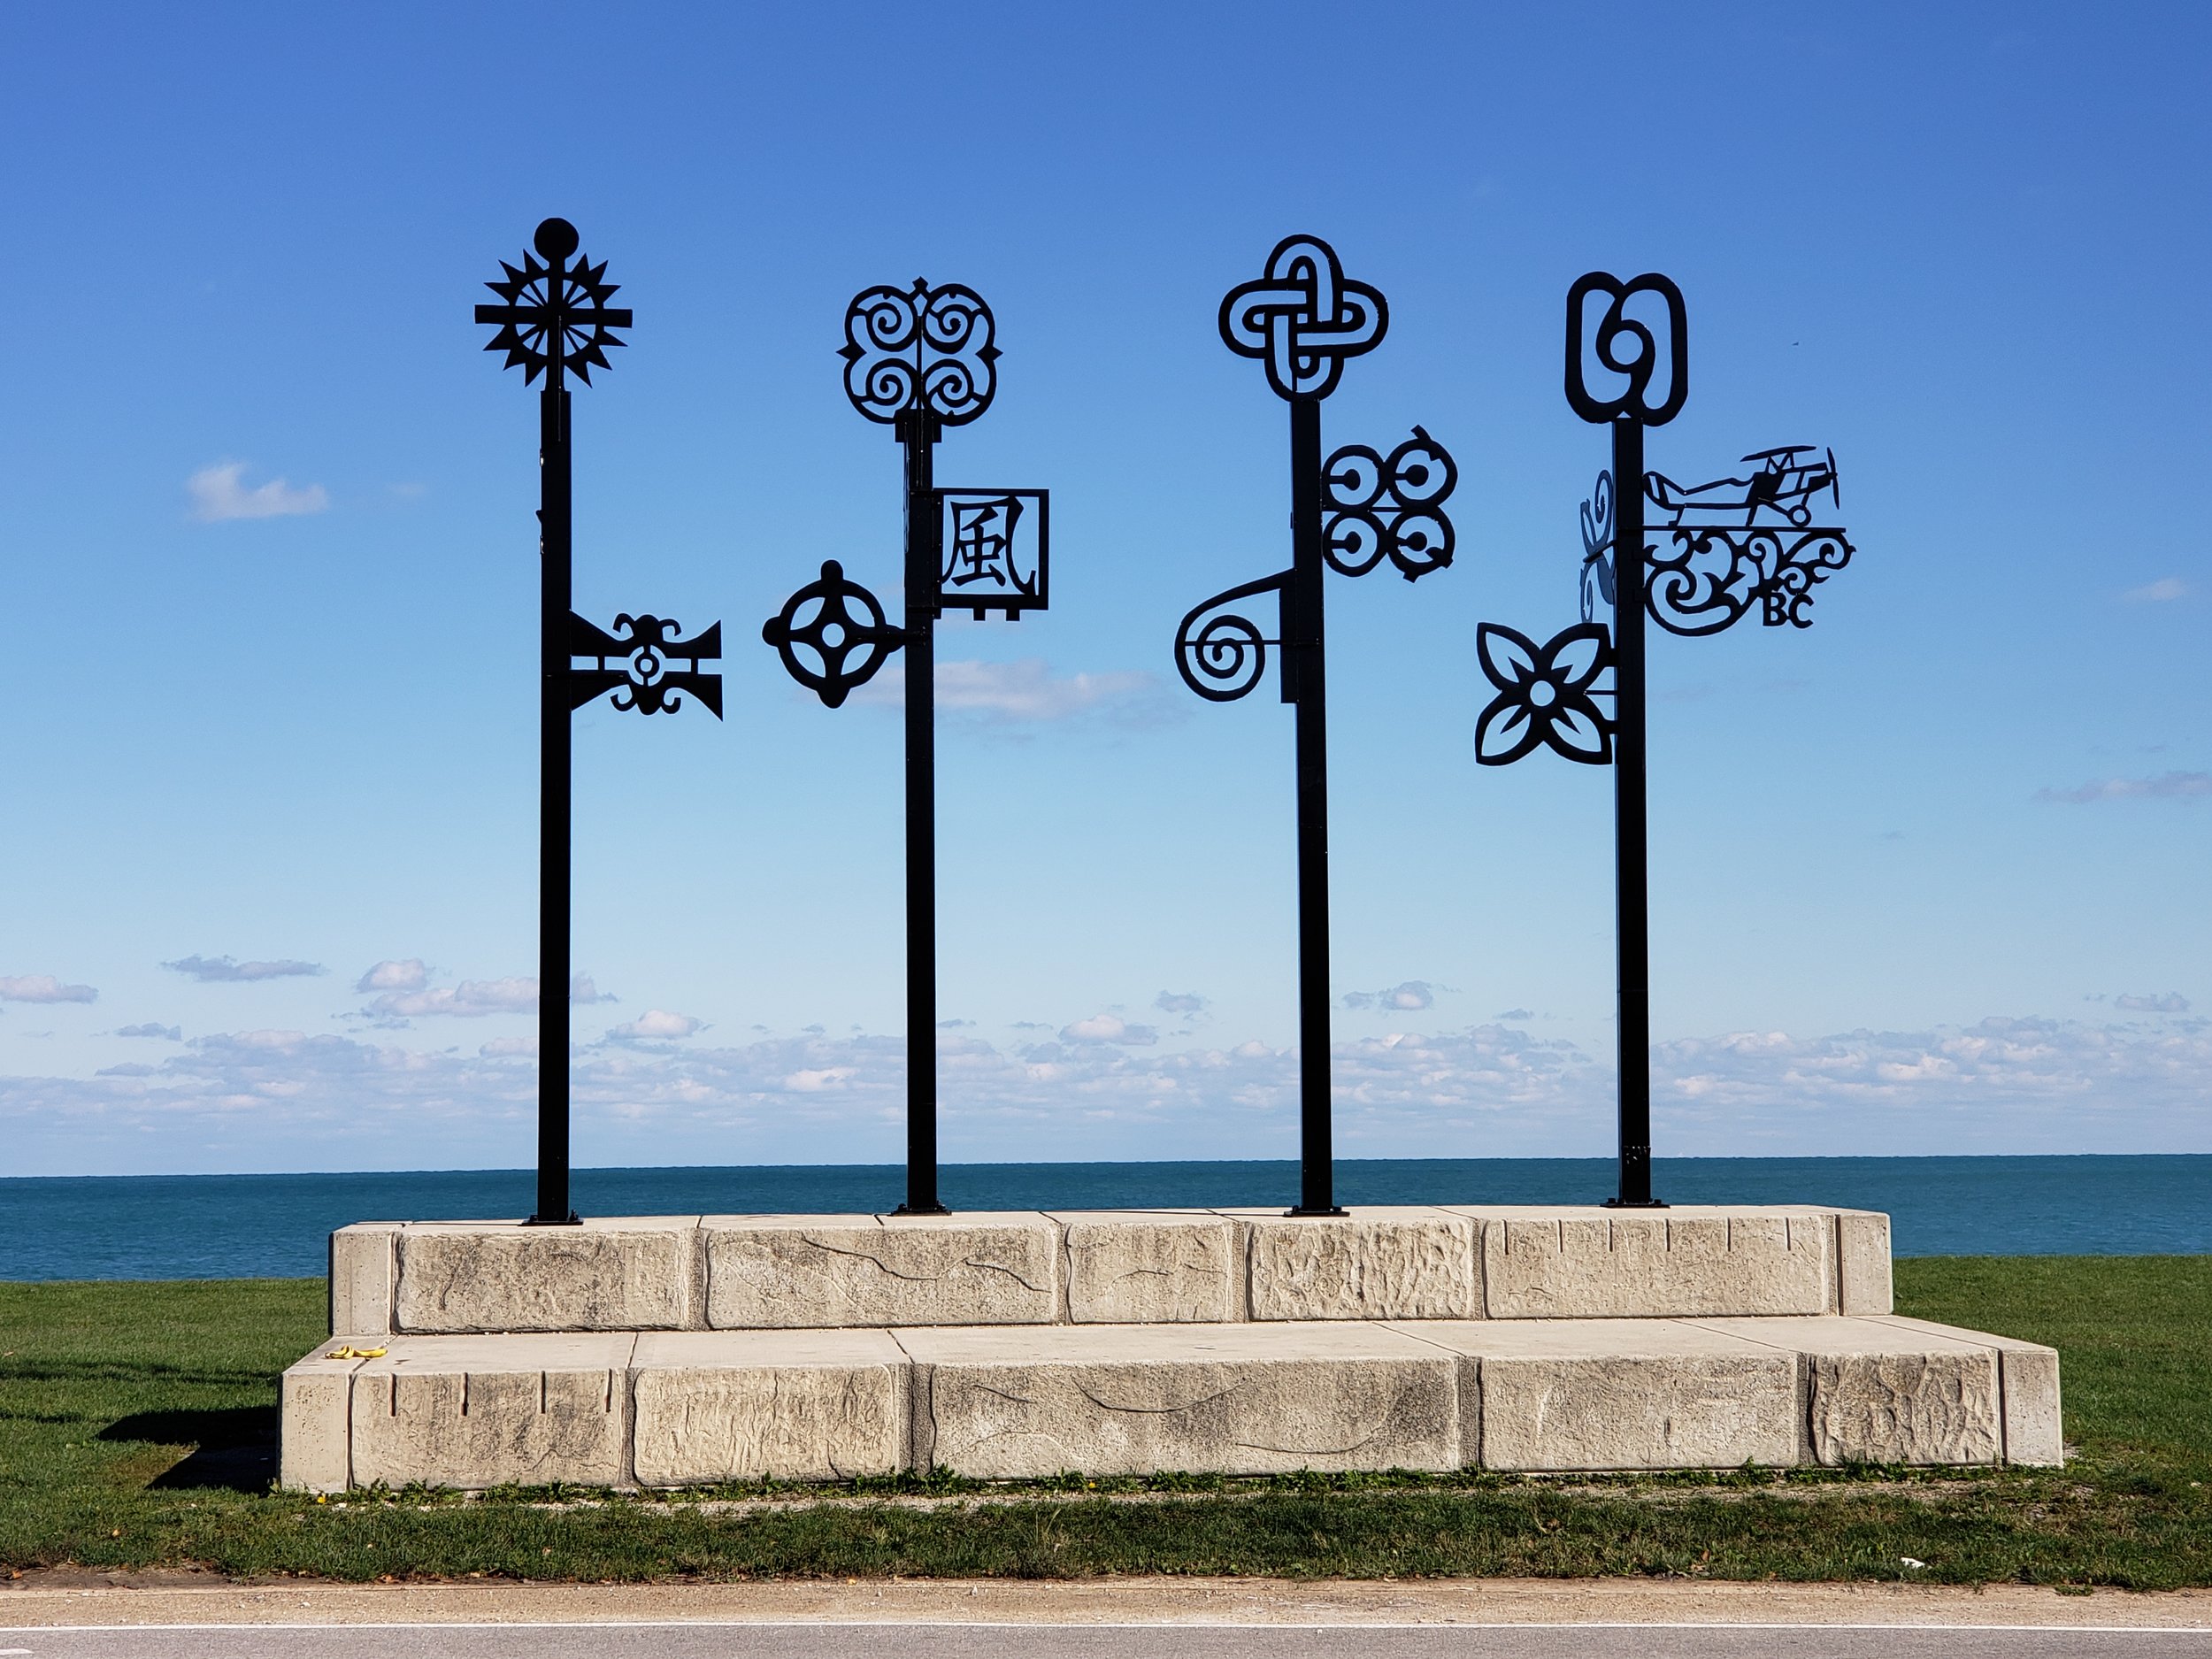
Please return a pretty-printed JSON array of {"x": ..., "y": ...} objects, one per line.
[{"x": 189, "y": 1616}]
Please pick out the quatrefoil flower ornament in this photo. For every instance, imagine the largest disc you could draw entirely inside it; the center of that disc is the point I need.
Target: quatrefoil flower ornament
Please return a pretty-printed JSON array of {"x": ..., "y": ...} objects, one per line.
[{"x": 1546, "y": 694}]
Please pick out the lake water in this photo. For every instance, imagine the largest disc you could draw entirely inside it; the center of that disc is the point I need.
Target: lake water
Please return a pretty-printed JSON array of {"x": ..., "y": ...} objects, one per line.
[{"x": 218, "y": 1227}]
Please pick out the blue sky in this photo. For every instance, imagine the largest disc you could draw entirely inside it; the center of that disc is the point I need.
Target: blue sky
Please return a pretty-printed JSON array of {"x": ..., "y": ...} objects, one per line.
[{"x": 1930, "y": 877}]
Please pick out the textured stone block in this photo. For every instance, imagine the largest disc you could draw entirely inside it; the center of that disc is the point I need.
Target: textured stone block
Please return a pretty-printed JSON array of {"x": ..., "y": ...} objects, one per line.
[
  {"x": 783, "y": 1273},
  {"x": 615, "y": 1274},
  {"x": 1883, "y": 1394},
  {"x": 1864, "y": 1262},
  {"x": 1592, "y": 1263},
  {"x": 743, "y": 1405},
  {"x": 2027, "y": 1380},
  {"x": 1620, "y": 1393},
  {"x": 1232, "y": 1399},
  {"x": 1379, "y": 1263},
  {"x": 472, "y": 1412},
  {"x": 362, "y": 1262},
  {"x": 1133, "y": 1267},
  {"x": 314, "y": 1437}
]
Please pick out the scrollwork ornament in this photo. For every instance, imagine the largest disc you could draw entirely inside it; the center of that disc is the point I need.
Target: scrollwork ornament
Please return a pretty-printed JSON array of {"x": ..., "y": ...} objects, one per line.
[
  {"x": 1389, "y": 507},
  {"x": 1625, "y": 347},
  {"x": 923, "y": 347}
]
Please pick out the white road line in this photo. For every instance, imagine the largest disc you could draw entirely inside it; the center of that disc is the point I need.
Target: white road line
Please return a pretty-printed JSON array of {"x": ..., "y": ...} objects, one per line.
[{"x": 1180, "y": 1625}]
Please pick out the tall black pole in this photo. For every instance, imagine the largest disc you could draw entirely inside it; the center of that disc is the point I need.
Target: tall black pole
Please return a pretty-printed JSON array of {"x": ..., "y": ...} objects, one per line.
[
  {"x": 1307, "y": 687},
  {"x": 1632, "y": 900},
  {"x": 555, "y": 599},
  {"x": 917, "y": 430}
]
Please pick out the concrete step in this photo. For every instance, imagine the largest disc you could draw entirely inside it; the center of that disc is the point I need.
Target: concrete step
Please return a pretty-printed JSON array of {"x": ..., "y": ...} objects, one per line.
[
  {"x": 672, "y": 1408},
  {"x": 1112, "y": 1267}
]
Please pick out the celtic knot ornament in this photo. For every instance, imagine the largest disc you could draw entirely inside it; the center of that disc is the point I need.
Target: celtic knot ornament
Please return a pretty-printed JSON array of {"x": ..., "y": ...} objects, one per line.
[
  {"x": 920, "y": 349},
  {"x": 1303, "y": 319},
  {"x": 1546, "y": 694},
  {"x": 554, "y": 315},
  {"x": 826, "y": 626},
  {"x": 638, "y": 663},
  {"x": 1625, "y": 346},
  {"x": 1389, "y": 507}
]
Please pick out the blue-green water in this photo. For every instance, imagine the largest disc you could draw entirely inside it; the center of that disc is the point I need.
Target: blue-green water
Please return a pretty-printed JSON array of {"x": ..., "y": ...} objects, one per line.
[{"x": 217, "y": 1227}]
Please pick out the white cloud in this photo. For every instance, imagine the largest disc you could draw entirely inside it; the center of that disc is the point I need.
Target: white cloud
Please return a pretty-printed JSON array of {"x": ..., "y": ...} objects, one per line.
[
  {"x": 583, "y": 992},
  {"x": 1184, "y": 1004},
  {"x": 223, "y": 970},
  {"x": 2172, "y": 1002},
  {"x": 2167, "y": 785},
  {"x": 410, "y": 975},
  {"x": 1409, "y": 998},
  {"x": 1027, "y": 692},
  {"x": 654, "y": 1025},
  {"x": 472, "y": 998},
  {"x": 2163, "y": 591},
  {"x": 168, "y": 1033},
  {"x": 218, "y": 493},
  {"x": 499, "y": 1047},
  {"x": 1109, "y": 1028},
  {"x": 43, "y": 988}
]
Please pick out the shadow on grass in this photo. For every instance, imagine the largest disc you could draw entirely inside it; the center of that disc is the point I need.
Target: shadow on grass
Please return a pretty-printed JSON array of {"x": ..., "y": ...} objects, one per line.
[{"x": 234, "y": 1446}]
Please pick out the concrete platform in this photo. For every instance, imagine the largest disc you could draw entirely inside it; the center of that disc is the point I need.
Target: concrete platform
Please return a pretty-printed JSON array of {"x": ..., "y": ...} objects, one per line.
[
  {"x": 1251, "y": 1396},
  {"x": 1451, "y": 1262}
]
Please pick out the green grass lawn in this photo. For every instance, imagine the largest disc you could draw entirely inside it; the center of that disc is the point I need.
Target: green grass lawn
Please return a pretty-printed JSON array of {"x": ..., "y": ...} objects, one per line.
[{"x": 138, "y": 1421}]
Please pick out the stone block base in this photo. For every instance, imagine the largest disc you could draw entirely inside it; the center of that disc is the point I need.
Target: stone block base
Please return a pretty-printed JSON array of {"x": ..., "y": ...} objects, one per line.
[{"x": 1004, "y": 1401}]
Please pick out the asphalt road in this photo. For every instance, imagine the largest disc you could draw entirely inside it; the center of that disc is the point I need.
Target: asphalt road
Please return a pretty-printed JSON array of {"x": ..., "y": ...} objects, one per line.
[{"x": 758, "y": 1640}]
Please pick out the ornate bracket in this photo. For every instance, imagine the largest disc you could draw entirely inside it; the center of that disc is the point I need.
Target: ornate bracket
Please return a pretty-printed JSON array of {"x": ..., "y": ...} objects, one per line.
[
  {"x": 1741, "y": 541},
  {"x": 1389, "y": 507},
  {"x": 824, "y": 627},
  {"x": 1225, "y": 659},
  {"x": 638, "y": 663}
]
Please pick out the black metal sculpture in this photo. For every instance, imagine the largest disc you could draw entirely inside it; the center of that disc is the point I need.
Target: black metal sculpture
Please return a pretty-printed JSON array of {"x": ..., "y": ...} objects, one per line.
[
  {"x": 1734, "y": 544},
  {"x": 1303, "y": 319},
  {"x": 554, "y": 320},
  {"x": 918, "y": 360}
]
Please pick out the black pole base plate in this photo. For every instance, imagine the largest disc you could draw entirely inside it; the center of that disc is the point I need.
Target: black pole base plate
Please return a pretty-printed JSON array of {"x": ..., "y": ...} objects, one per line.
[
  {"x": 929, "y": 1210},
  {"x": 571, "y": 1219},
  {"x": 1333, "y": 1210},
  {"x": 1636, "y": 1203}
]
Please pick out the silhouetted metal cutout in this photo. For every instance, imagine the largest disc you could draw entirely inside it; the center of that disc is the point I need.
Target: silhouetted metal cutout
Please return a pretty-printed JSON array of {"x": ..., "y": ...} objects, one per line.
[
  {"x": 1303, "y": 320},
  {"x": 553, "y": 321},
  {"x": 1733, "y": 543},
  {"x": 918, "y": 360}
]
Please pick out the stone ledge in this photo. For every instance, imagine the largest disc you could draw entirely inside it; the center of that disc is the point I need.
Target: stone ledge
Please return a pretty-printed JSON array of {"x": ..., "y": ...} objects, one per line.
[
  {"x": 1198, "y": 1266},
  {"x": 1002, "y": 1402}
]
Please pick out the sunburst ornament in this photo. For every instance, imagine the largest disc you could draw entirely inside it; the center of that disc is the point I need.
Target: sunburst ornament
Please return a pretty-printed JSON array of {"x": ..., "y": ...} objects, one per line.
[{"x": 555, "y": 319}]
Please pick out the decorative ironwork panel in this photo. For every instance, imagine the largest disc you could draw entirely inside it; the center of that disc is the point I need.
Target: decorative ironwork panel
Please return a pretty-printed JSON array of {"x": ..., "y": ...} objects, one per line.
[
  {"x": 1389, "y": 507},
  {"x": 1225, "y": 659},
  {"x": 555, "y": 312},
  {"x": 922, "y": 348},
  {"x": 1626, "y": 346},
  {"x": 1303, "y": 319},
  {"x": 1741, "y": 541},
  {"x": 832, "y": 635},
  {"x": 644, "y": 664},
  {"x": 1597, "y": 548},
  {"x": 1546, "y": 693},
  {"x": 997, "y": 545}
]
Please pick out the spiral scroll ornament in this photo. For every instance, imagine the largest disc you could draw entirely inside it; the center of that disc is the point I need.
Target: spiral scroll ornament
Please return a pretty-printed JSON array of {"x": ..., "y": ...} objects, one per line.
[
  {"x": 923, "y": 347},
  {"x": 1389, "y": 507},
  {"x": 1226, "y": 657}
]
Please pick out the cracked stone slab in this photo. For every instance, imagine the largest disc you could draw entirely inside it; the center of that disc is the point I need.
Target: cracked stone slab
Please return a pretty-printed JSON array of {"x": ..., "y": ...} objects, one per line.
[
  {"x": 745, "y": 1405},
  {"x": 1381, "y": 1262},
  {"x": 2027, "y": 1380},
  {"x": 1619, "y": 1393},
  {"x": 632, "y": 1273},
  {"x": 477, "y": 1411},
  {"x": 1589, "y": 1263},
  {"x": 1149, "y": 1267},
  {"x": 784, "y": 1272},
  {"x": 1229, "y": 1399},
  {"x": 1881, "y": 1392}
]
